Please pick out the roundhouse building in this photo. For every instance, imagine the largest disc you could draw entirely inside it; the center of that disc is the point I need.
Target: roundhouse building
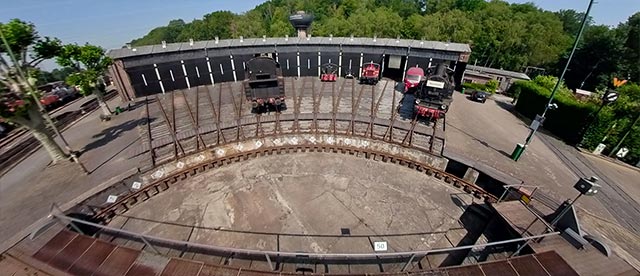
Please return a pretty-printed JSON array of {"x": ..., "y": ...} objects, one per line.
[{"x": 146, "y": 70}]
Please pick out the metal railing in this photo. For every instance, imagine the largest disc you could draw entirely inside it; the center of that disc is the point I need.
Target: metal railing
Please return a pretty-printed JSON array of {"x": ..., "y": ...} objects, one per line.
[
  {"x": 508, "y": 188},
  {"x": 270, "y": 256}
]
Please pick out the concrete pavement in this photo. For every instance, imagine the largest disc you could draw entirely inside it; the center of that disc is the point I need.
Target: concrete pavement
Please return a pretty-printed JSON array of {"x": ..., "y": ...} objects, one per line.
[{"x": 30, "y": 189}]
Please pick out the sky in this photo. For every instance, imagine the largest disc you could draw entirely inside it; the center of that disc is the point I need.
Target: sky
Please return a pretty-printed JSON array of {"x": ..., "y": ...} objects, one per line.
[{"x": 112, "y": 23}]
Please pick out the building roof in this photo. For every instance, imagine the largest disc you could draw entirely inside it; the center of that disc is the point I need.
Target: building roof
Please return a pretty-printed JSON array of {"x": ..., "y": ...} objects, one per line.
[
  {"x": 501, "y": 72},
  {"x": 222, "y": 43}
]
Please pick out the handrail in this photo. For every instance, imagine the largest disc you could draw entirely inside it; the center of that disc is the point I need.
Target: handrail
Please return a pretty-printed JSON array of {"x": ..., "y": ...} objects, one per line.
[
  {"x": 280, "y": 254},
  {"x": 535, "y": 188}
]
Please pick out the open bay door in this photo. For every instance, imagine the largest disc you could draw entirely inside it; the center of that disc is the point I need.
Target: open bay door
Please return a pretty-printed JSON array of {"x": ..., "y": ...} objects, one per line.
[{"x": 394, "y": 64}]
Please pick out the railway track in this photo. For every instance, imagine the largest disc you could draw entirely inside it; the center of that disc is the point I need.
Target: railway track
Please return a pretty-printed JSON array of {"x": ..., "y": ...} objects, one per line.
[
  {"x": 204, "y": 119},
  {"x": 188, "y": 121}
]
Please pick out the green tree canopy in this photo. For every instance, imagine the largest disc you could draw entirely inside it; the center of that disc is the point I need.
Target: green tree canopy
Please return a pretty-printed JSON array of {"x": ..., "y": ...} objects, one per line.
[
  {"x": 21, "y": 49},
  {"x": 93, "y": 63},
  {"x": 502, "y": 35}
]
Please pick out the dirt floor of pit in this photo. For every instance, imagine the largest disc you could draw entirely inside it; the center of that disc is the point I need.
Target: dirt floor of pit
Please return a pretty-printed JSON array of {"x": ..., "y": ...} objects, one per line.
[{"x": 302, "y": 202}]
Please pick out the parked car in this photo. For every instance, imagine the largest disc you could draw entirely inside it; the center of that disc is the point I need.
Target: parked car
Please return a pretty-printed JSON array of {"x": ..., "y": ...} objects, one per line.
[
  {"x": 65, "y": 94},
  {"x": 479, "y": 96}
]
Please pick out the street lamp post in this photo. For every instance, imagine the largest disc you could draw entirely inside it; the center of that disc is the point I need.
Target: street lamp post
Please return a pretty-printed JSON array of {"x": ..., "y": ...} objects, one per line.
[{"x": 520, "y": 148}]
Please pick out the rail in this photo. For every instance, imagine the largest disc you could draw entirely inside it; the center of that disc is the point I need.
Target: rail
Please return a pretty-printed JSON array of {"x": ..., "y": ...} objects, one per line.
[
  {"x": 271, "y": 256},
  {"x": 350, "y": 122}
]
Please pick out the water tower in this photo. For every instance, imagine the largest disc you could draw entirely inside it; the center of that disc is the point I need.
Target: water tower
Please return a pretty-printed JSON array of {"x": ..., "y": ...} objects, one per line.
[{"x": 301, "y": 21}]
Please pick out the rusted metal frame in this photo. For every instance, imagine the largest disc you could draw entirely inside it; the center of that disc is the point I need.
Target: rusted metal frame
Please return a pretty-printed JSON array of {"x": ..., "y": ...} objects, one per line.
[
  {"x": 337, "y": 105},
  {"x": 433, "y": 136},
  {"x": 239, "y": 131},
  {"x": 295, "y": 104},
  {"x": 316, "y": 109},
  {"x": 276, "y": 129},
  {"x": 333, "y": 108},
  {"x": 173, "y": 113},
  {"x": 258, "y": 125},
  {"x": 233, "y": 98},
  {"x": 198, "y": 112},
  {"x": 176, "y": 144},
  {"x": 151, "y": 151},
  {"x": 193, "y": 121},
  {"x": 354, "y": 110},
  {"x": 394, "y": 114},
  {"x": 278, "y": 254},
  {"x": 322, "y": 88},
  {"x": 409, "y": 136},
  {"x": 216, "y": 116},
  {"x": 220, "y": 134},
  {"x": 314, "y": 105},
  {"x": 374, "y": 109},
  {"x": 296, "y": 123}
]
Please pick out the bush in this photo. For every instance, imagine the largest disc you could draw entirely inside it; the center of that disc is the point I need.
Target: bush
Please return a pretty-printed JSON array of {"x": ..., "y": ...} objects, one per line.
[
  {"x": 565, "y": 122},
  {"x": 481, "y": 87}
]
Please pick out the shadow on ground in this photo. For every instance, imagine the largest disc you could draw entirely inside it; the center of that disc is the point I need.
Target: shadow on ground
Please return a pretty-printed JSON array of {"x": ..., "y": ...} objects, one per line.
[
  {"x": 109, "y": 134},
  {"x": 482, "y": 142}
]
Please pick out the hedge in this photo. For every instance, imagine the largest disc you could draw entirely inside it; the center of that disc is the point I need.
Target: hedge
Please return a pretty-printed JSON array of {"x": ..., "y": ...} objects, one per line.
[
  {"x": 480, "y": 87},
  {"x": 568, "y": 120},
  {"x": 565, "y": 122}
]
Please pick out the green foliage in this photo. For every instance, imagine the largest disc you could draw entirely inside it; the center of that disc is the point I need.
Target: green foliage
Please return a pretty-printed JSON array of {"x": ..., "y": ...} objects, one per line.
[
  {"x": 571, "y": 20},
  {"x": 92, "y": 59},
  {"x": 571, "y": 115},
  {"x": 565, "y": 122},
  {"x": 490, "y": 86},
  {"x": 502, "y": 35},
  {"x": 19, "y": 34},
  {"x": 15, "y": 74}
]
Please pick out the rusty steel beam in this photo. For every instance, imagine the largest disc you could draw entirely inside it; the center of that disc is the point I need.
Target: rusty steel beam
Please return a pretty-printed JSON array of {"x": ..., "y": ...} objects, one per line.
[
  {"x": 354, "y": 110},
  {"x": 146, "y": 107},
  {"x": 176, "y": 144},
  {"x": 374, "y": 108},
  {"x": 224, "y": 139},
  {"x": 240, "y": 131},
  {"x": 216, "y": 116},
  {"x": 394, "y": 113},
  {"x": 194, "y": 122},
  {"x": 409, "y": 136},
  {"x": 336, "y": 106}
]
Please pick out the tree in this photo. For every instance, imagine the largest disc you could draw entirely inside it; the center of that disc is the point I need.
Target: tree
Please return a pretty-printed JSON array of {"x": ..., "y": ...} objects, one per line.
[
  {"x": 571, "y": 20},
  {"x": 19, "y": 98},
  {"x": 597, "y": 59},
  {"x": 94, "y": 62}
]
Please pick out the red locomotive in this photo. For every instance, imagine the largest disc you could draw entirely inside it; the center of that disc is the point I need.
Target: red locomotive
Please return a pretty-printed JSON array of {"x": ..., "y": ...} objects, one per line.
[
  {"x": 370, "y": 73},
  {"x": 329, "y": 72}
]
